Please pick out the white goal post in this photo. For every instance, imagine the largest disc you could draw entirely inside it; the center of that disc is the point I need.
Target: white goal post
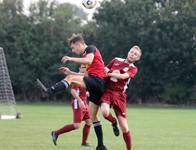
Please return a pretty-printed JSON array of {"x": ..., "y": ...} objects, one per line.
[{"x": 7, "y": 98}]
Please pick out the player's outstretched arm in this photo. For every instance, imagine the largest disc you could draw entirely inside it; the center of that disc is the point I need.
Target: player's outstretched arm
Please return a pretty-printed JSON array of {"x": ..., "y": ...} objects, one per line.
[
  {"x": 85, "y": 60},
  {"x": 67, "y": 71}
]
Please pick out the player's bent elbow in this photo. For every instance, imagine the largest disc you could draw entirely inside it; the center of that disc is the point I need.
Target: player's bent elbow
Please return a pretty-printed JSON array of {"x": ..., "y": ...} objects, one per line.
[{"x": 89, "y": 61}]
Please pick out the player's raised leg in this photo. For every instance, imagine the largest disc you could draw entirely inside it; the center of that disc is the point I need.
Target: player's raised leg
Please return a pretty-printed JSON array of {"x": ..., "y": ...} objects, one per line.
[{"x": 63, "y": 84}]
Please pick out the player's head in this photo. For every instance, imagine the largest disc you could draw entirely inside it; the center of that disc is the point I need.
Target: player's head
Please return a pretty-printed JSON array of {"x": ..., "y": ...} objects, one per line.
[
  {"x": 82, "y": 69},
  {"x": 134, "y": 54},
  {"x": 77, "y": 43}
]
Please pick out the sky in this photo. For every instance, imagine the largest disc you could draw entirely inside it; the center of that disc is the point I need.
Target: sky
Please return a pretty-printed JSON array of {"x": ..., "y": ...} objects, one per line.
[{"x": 76, "y": 2}]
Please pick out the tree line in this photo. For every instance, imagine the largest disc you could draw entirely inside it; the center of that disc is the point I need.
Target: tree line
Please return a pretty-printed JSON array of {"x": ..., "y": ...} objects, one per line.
[{"x": 35, "y": 42}]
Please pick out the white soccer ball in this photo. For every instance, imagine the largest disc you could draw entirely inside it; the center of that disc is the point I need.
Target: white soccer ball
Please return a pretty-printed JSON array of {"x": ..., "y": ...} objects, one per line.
[{"x": 89, "y": 4}]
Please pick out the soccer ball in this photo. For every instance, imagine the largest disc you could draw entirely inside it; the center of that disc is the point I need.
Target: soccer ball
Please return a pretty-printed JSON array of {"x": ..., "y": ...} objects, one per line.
[{"x": 89, "y": 4}]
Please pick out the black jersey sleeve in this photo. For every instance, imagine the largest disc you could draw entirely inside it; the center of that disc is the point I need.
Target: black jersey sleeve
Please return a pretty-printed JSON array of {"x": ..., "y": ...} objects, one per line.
[{"x": 90, "y": 49}]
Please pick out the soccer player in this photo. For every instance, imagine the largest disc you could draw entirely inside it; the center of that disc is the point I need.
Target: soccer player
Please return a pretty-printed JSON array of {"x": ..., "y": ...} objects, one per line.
[
  {"x": 119, "y": 72},
  {"x": 94, "y": 82},
  {"x": 80, "y": 113}
]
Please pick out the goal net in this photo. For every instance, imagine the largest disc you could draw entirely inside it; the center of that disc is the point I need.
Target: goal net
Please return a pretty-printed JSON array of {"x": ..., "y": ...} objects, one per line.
[{"x": 7, "y": 98}]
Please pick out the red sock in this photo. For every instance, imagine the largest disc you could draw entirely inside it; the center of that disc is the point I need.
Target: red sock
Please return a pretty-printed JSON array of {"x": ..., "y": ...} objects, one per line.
[
  {"x": 127, "y": 139},
  {"x": 110, "y": 118},
  {"x": 86, "y": 131},
  {"x": 65, "y": 129}
]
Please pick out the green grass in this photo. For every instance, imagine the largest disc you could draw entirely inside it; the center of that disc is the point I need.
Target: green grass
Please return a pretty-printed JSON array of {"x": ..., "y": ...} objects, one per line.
[{"x": 152, "y": 129}]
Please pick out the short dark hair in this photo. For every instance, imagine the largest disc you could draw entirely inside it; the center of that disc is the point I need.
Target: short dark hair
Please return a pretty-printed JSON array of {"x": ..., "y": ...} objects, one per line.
[{"x": 76, "y": 37}]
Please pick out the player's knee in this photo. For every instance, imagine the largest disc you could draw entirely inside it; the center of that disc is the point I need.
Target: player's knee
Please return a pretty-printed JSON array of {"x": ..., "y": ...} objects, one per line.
[
  {"x": 124, "y": 129},
  {"x": 88, "y": 122},
  {"x": 93, "y": 117},
  {"x": 105, "y": 111},
  {"x": 76, "y": 125}
]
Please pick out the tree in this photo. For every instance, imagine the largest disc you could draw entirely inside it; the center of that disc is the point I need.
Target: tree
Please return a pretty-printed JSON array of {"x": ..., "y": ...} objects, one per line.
[
  {"x": 35, "y": 43},
  {"x": 166, "y": 35}
]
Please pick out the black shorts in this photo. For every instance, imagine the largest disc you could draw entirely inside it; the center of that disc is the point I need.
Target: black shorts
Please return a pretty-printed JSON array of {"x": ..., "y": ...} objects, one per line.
[{"x": 95, "y": 86}]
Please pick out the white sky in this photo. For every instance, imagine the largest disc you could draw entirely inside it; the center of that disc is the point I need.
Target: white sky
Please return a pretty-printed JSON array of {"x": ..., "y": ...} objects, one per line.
[{"x": 76, "y": 2}]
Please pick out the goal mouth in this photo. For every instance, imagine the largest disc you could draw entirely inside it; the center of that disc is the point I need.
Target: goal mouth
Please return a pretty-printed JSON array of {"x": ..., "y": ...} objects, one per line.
[
  {"x": 8, "y": 109},
  {"x": 10, "y": 117}
]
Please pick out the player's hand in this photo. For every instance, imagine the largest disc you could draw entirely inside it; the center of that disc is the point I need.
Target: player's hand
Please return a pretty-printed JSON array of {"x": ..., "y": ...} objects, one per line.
[
  {"x": 65, "y": 59},
  {"x": 87, "y": 94},
  {"x": 81, "y": 105},
  {"x": 106, "y": 70},
  {"x": 113, "y": 78},
  {"x": 65, "y": 70}
]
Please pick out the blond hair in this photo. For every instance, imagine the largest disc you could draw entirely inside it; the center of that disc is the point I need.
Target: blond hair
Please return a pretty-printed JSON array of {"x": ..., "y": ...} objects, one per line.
[
  {"x": 137, "y": 48},
  {"x": 75, "y": 37}
]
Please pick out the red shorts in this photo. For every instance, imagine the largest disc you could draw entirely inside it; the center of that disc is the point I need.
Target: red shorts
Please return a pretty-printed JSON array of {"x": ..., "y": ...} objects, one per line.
[
  {"x": 117, "y": 100},
  {"x": 80, "y": 115}
]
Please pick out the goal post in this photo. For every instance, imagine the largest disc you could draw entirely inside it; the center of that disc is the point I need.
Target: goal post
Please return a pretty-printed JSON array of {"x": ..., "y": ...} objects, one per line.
[{"x": 7, "y": 98}]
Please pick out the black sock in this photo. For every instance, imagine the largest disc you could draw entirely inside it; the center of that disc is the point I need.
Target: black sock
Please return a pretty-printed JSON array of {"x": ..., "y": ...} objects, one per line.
[
  {"x": 59, "y": 86},
  {"x": 98, "y": 132}
]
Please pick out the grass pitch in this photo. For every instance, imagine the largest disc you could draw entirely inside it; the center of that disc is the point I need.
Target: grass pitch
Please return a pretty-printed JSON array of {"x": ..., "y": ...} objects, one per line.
[{"x": 152, "y": 129}]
